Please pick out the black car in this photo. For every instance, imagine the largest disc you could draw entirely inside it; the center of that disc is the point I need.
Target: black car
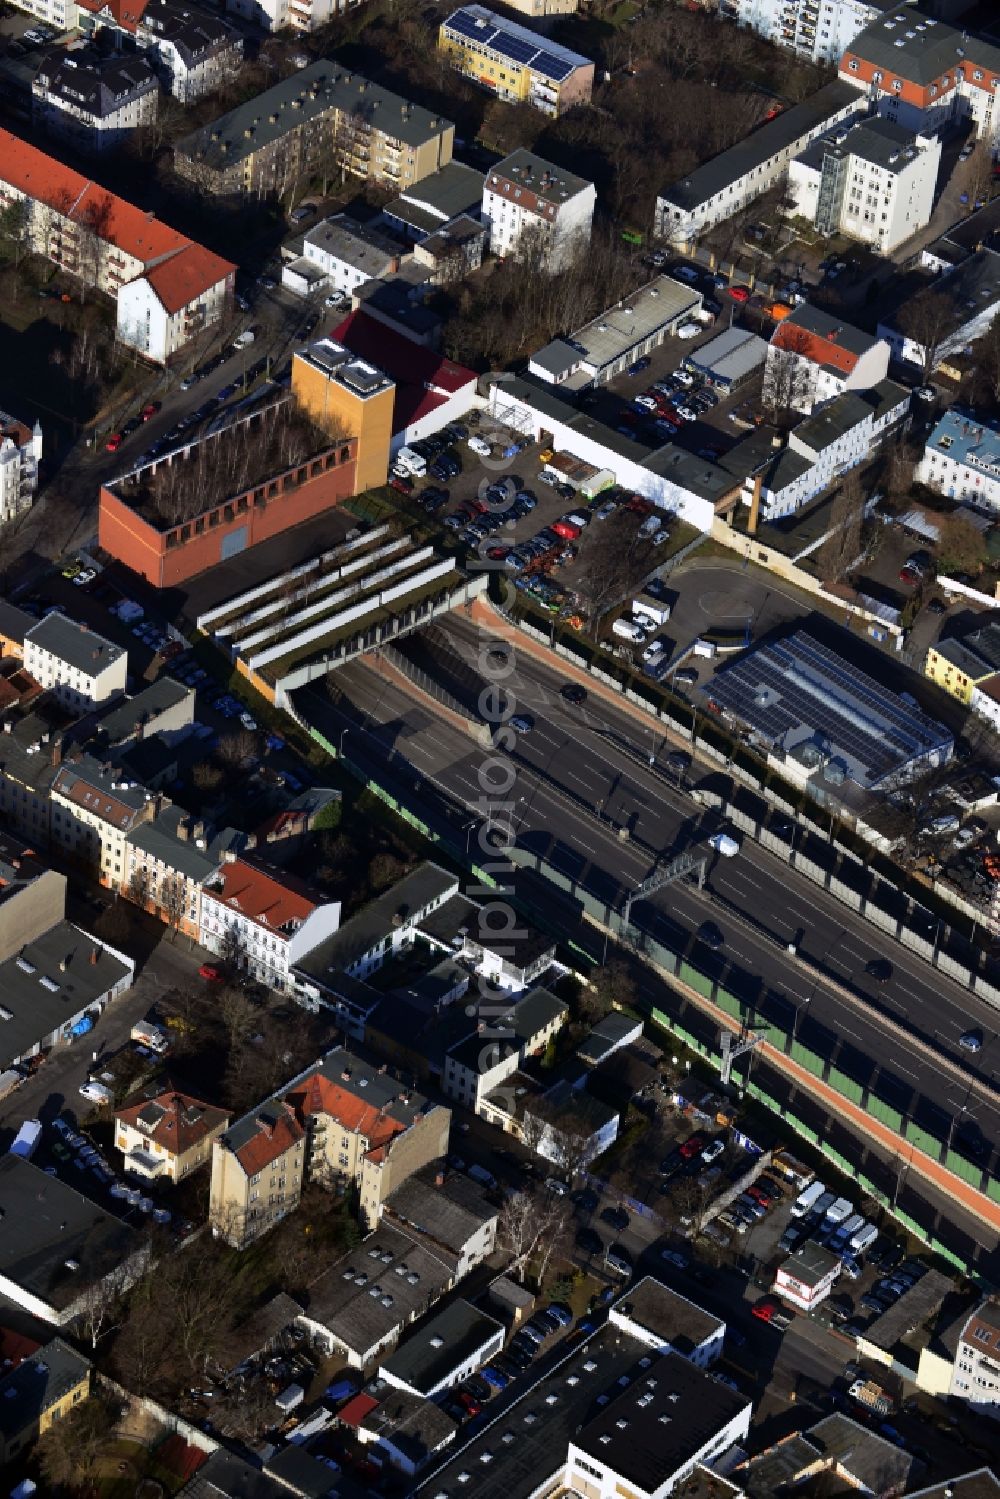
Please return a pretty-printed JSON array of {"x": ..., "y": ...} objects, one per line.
[
  {"x": 709, "y": 933},
  {"x": 589, "y": 1241},
  {"x": 617, "y": 1218},
  {"x": 573, "y": 693},
  {"x": 479, "y": 1389},
  {"x": 879, "y": 969}
]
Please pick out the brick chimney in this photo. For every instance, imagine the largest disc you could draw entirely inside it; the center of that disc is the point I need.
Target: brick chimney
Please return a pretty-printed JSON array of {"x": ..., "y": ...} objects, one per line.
[
  {"x": 184, "y": 830},
  {"x": 56, "y": 749},
  {"x": 93, "y": 957}
]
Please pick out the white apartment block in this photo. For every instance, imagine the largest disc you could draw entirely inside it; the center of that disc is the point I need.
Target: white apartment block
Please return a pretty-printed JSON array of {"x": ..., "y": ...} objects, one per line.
[
  {"x": 976, "y": 1373},
  {"x": 962, "y": 460},
  {"x": 92, "y": 813},
  {"x": 265, "y": 923},
  {"x": 818, "y": 29},
  {"x": 668, "y": 1322},
  {"x": 828, "y": 444},
  {"x": 73, "y": 661},
  {"x": 733, "y": 180},
  {"x": 193, "y": 52},
  {"x": 94, "y": 103},
  {"x": 296, "y": 15},
  {"x": 529, "y": 204},
  {"x": 20, "y": 455},
  {"x": 872, "y": 181},
  {"x": 350, "y": 253},
  {"x": 62, "y": 14}
]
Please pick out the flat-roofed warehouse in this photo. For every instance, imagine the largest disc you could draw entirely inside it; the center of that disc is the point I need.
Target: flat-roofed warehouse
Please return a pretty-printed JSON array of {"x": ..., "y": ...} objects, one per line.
[
  {"x": 610, "y": 342},
  {"x": 731, "y": 358},
  {"x": 825, "y": 719}
]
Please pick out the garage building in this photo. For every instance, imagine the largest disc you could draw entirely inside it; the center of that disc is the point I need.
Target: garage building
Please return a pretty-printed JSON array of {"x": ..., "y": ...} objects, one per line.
[{"x": 730, "y": 359}]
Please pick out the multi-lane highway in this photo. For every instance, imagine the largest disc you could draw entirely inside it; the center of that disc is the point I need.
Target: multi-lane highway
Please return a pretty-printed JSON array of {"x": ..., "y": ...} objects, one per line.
[{"x": 586, "y": 772}]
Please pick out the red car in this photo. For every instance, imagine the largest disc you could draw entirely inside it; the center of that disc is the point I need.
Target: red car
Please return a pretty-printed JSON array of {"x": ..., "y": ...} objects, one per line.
[
  {"x": 114, "y": 442},
  {"x": 566, "y": 529},
  {"x": 639, "y": 505},
  {"x": 692, "y": 1146},
  {"x": 149, "y": 410},
  {"x": 907, "y": 575},
  {"x": 401, "y": 483},
  {"x": 739, "y": 293},
  {"x": 759, "y": 1196},
  {"x": 470, "y": 1402},
  {"x": 211, "y": 973},
  {"x": 765, "y": 1310}
]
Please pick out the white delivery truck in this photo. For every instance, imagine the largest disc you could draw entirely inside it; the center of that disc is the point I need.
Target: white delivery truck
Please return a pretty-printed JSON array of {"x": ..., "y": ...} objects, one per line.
[
  {"x": 27, "y": 1139},
  {"x": 411, "y": 463},
  {"x": 628, "y": 629},
  {"x": 645, "y": 607}
]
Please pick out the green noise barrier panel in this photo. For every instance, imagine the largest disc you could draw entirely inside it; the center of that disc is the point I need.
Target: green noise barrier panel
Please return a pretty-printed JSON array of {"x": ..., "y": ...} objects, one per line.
[
  {"x": 845, "y": 1085},
  {"x": 885, "y": 1114},
  {"x": 807, "y": 1059},
  {"x": 696, "y": 980}
]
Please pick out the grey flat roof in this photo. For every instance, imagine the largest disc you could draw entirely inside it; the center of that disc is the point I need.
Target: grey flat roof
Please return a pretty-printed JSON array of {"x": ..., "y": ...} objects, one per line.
[
  {"x": 760, "y": 146},
  {"x": 686, "y": 469},
  {"x": 915, "y": 1307},
  {"x": 37, "y": 1384},
  {"x": 981, "y": 1483},
  {"x": 47, "y": 1222},
  {"x": 426, "y": 883},
  {"x": 41, "y": 994},
  {"x": 880, "y": 1466},
  {"x": 547, "y": 400},
  {"x": 305, "y": 94},
  {"x": 829, "y": 423},
  {"x": 357, "y": 245},
  {"x": 75, "y": 643},
  {"x": 657, "y": 1423},
  {"x": 557, "y": 357},
  {"x": 451, "y": 190},
  {"x": 448, "y": 1215},
  {"x": 795, "y": 693},
  {"x": 546, "y": 181},
  {"x": 731, "y": 355},
  {"x": 428, "y": 1355},
  {"x": 973, "y": 287},
  {"x": 615, "y": 332},
  {"x": 536, "y": 1010},
  {"x": 409, "y": 1271},
  {"x": 304, "y": 1474},
  {"x": 416, "y": 1426},
  {"x": 920, "y": 54},
  {"x": 810, "y": 1263},
  {"x": 126, "y": 716},
  {"x": 668, "y": 1315},
  {"x": 226, "y": 1476}
]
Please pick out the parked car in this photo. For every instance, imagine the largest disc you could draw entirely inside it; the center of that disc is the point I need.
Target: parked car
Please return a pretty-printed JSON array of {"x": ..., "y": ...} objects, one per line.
[{"x": 616, "y": 1217}]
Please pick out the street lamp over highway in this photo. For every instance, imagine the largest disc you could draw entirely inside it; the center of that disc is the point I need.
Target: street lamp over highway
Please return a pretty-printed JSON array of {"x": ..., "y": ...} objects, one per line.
[{"x": 340, "y": 743}]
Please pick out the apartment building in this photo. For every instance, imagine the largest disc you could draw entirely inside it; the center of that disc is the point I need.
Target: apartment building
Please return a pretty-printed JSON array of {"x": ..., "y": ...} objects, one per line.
[
  {"x": 170, "y": 859},
  {"x": 77, "y": 665},
  {"x": 478, "y": 1064},
  {"x": 976, "y": 1373},
  {"x": 961, "y": 459},
  {"x": 925, "y": 74},
  {"x": 822, "y": 448},
  {"x": 668, "y": 1322},
  {"x": 291, "y": 15},
  {"x": 429, "y": 206},
  {"x": 532, "y": 207},
  {"x": 872, "y": 181},
  {"x": 818, "y": 29},
  {"x": 168, "y": 1135},
  {"x": 320, "y": 119},
  {"x": 513, "y": 62},
  {"x": 813, "y": 357},
  {"x": 729, "y": 182},
  {"x": 342, "y": 1122},
  {"x": 20, "y": 455},
  {"x": 167, "y": 288},
  {"x": 91, "y": 103},
  {"x": 960, "y": 664},
  {"x": 262, "y": 923},
  {"x": 93, "y": 811},
  {"x": 192, "y": 52}
]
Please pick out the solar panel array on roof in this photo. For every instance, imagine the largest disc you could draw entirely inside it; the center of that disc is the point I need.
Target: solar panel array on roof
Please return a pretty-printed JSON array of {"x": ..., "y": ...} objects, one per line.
[
  {"x": 466, "y": 26},
  {"x": 556, "y": 68},
  {"x": 815, "y": 706},
  {"x": 512, "y": 47},
  {"x": 515, "y": 43}
]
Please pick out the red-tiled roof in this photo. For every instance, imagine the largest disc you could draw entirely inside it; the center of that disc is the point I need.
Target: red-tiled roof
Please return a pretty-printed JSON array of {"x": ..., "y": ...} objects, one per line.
[
  {"x": 177, "y": 268},
  {"x": 174, "y": 1120},
  {"x": 321, "y": 1095},
  {"x": 826, "y": 351},
  {"x": 258, "y": 896},
  {"x": 276, "y": 1133},
  {"x": 400, "y": 358},
  {"x": 125, "y": 13}
]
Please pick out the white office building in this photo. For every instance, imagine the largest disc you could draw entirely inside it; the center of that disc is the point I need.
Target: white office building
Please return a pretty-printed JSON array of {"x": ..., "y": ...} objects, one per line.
[
  {"x": 531, "y": 205},
  {"x": 73, "y": 661},
  {"x": 349, "y": 253},
  {"x": 20, "y": 455},
  {"x": 962, "y": 459},
  {"x": 872, "y": 181}
]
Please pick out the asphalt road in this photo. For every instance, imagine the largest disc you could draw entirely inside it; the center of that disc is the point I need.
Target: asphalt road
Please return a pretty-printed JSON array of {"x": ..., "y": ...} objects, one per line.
[{"x": 571, "y": 771}]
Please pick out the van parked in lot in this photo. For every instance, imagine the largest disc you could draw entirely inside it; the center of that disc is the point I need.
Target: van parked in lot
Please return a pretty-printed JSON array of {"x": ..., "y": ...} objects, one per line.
[
  {"x": 628, "y": 629},
  {"x": 808, "y": 1199},
  {"x": 408, "y": 461},
  {"x": 864, "y": 1238}
]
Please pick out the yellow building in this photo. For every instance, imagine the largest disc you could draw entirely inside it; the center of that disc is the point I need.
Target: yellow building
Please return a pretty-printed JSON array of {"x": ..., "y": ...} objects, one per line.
[
  {"x": 516, "y": 64},
  {"x": 41, "y": 1390},
  {"x": 168, "y": 1135},
  {"x": 348, "y": 397},
  {"x": 959, "y": 665}
]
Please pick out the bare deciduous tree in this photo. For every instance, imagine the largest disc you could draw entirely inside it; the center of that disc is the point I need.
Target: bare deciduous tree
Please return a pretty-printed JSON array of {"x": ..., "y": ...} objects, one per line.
[
  {"x": 842, "y": 547},
  {"x": 927, "y": 319}
]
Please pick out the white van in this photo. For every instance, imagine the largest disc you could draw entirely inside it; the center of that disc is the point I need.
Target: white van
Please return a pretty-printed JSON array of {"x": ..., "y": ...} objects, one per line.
[
  {"x": 864, "y": 1238},
  {"x": 628, "y": 629},
  {"x": 704, "y": 648},
  {"x": 96, "y": 1093},
  {"x": 806, "y": 1200},
  {"x": 409, "y": 462},
  {"x": 838, "y": 1211}
]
